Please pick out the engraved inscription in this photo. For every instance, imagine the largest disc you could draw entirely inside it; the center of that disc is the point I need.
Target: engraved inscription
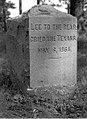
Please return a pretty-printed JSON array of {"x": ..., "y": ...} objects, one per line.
[
  {"x": 53, "y": 50},
  {"x": 39, "y": 26}
]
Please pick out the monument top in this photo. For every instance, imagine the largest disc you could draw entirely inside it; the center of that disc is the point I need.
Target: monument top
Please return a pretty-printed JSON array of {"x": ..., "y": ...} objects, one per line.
[{"x": 47, "y": 10}]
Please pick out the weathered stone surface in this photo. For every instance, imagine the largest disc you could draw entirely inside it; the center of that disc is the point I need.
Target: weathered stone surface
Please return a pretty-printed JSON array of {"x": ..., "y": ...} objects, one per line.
[
  {"x": 2, "y": 44},
  {"x": 17, "y": 44},
  {"x": 53, "y": 47},
  {"x": 3, "y": 59}
]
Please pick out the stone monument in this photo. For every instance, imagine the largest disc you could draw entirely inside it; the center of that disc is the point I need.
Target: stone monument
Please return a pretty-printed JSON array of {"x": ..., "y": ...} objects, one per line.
[{"x": 53, "y": 47}]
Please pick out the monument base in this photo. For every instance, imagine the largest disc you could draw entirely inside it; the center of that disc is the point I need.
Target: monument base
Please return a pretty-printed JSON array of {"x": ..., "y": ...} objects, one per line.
[{"x": 54, "y": 92}]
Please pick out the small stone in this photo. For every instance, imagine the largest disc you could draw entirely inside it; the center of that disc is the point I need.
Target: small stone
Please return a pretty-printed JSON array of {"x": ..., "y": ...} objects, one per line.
[{"x": 17, "y": 98}]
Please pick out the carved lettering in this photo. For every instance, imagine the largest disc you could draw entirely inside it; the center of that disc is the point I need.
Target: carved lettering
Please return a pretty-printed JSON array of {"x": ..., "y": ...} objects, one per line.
[
  {"x": 36, "y": 26},
  {"x": 69, "y": 27},
  {"x": 42, "y": 38},
  {"x": 64, "y": 49},
  {"x": 65, "y": 38},
  {"x": 47, "y": 26},
  {"x": 43, "y": 50},
  {"x": 57, "y": 26},
  {"x": 52, "y": 38},
  {"x": 40, "y": 27}
]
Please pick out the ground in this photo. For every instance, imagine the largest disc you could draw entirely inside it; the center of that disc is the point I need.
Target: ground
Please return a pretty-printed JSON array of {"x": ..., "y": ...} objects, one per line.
[{"x": 46, "y": 102}]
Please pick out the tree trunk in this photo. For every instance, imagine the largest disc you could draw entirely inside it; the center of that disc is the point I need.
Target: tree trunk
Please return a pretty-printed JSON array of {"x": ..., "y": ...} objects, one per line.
[
  {"x": 20, "y": 6},
  {"x": 72, "y": 7},
  {"x": 38, "y": 2},
  {"x": 76, "y": 6},
  {"x": 4, "y": 15}
]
